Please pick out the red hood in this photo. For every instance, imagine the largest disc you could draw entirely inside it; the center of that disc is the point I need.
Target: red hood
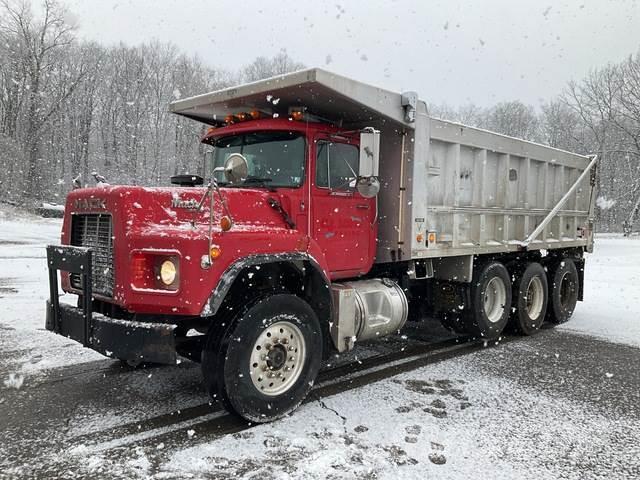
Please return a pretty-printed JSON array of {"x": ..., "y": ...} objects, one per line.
[{"x": 176, "y": 206}]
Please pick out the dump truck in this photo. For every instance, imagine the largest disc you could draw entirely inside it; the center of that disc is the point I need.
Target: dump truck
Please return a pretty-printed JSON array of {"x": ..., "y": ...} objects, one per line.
[{"x": 330, "y": 211}]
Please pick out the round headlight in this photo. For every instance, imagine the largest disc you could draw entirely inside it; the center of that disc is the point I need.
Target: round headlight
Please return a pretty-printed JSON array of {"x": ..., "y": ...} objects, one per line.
[{"x": 168, "y": 272}]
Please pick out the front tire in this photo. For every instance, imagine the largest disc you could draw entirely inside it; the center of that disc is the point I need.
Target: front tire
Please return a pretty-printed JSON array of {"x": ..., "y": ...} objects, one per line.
[{"x": 265, "y": 364}]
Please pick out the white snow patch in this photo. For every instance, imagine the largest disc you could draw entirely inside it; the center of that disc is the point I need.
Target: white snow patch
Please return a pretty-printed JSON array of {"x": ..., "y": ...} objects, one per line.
[
  {"x": 611, "y": 306},
  {"x": 14, "y": 381},
  {"x": 605, "y": 203}
]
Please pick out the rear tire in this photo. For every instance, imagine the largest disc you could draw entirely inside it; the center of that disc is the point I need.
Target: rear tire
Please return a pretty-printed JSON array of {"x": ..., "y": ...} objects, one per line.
[
  {"x": 487, "y": 312},
  {"x": 563, "y": 292},
  {"x": 530, "y": 294},
  {"x": 265, "y": 364}
]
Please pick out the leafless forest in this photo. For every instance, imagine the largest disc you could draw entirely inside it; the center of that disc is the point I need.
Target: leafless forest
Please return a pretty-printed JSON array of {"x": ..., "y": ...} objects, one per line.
[{"x": 69, "y": 107}]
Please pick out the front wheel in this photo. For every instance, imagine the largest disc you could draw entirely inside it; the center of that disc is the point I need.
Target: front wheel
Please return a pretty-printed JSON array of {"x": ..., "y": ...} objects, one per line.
[{"x": 266, "y": 363}]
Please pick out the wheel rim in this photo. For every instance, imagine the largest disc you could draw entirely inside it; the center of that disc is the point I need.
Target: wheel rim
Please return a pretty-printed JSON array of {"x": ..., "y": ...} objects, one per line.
[
  {"x": 495, "y": 298},
  {"x": 277, "y": 358},
  {"x": 535, "y": 297},
  {"x": 566, "y": 289}
]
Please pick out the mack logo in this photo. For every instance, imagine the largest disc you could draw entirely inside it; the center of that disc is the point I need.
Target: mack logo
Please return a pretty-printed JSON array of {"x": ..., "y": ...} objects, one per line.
[
  {"x": 89, "y": 204},
  {"x": 191, "y": 204}
]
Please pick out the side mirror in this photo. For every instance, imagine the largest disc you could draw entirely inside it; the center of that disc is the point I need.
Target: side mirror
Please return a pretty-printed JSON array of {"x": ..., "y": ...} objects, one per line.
[
  {"x": 368, "y": 187},
  {"x": 236, "y": 168},
  {"x": 368, "y": 184}
]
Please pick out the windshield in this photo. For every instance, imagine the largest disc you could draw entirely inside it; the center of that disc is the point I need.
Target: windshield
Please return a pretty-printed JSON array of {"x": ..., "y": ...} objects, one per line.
[{"x": 275, "y": 159}]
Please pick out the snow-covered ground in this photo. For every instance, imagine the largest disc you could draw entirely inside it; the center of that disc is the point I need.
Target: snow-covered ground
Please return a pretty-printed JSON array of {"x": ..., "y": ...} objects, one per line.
[
  {"x": 562, "y": 404},
  {"x": 23, "y": 292},
  {"x": 611, "y": 307}
]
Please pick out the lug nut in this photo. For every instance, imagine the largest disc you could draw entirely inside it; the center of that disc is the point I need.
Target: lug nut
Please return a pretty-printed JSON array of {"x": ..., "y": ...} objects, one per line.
[{"x": 291, "y": 348}]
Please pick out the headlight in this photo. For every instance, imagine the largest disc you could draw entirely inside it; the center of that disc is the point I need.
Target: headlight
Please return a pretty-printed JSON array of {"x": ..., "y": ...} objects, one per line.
[{"x": 168, "y": 272}]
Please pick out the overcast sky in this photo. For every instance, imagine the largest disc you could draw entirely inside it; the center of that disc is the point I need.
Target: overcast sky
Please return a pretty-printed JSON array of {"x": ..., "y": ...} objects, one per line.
[{"x": 449, "y": 51}]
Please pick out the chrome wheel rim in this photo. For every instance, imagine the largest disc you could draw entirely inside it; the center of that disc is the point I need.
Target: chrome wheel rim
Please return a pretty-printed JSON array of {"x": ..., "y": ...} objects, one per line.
[
  {"x": 534, "y": 297},
  {"x": 495, "y": 298},
  {"x": 277, "y": 358}
]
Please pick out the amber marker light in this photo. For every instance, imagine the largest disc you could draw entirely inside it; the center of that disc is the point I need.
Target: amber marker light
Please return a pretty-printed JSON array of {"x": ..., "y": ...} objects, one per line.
[
  {"x": 419, "y": 238},
  {"x": 297, "y": 115},
  {"x": 432, "y": 237},
  {"x": 226, "y": 223},
  {"x": 215, "y": 252},
  {"x": 254, "y": 114},
  {"x": 228, "y": 119}
]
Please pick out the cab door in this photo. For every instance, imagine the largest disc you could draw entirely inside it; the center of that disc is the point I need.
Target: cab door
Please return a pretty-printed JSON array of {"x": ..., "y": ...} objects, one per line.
[{"x": 343, "y": 222}]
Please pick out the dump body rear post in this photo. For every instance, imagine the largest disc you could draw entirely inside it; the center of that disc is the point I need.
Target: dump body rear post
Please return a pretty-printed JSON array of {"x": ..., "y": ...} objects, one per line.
[{"x": 331, "y": 212}]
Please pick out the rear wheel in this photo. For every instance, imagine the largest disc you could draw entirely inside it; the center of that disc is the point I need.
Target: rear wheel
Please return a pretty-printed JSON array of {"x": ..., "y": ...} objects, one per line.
[
  {"x": 530, "y": 293},
  {"x": 563, "y": 292},
  {"x": 267, "y": 361},
  {"x": 490, "y": 303}
]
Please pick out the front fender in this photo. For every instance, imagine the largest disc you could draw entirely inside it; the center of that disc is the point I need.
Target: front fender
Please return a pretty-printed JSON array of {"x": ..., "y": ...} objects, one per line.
[{"x": 232, "y": 272}]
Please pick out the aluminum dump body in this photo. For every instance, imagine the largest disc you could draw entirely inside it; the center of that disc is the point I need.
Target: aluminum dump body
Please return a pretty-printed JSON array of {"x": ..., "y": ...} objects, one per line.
[{"x": 477, "y": 191}]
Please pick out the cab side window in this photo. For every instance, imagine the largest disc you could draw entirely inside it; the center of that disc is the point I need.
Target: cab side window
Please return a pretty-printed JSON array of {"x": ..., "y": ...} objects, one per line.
[{"x": 336, "y": 165}]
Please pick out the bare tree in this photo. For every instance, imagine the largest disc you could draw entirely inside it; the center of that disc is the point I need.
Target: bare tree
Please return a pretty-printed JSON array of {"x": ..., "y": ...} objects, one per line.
[
  {"x": 263, "y": 67},
  {"x": 39, "y": 42}
]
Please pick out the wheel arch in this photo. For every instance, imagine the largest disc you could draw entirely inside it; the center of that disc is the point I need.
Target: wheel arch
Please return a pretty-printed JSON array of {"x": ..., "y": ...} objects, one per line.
[{"x": 297, "y": 273}]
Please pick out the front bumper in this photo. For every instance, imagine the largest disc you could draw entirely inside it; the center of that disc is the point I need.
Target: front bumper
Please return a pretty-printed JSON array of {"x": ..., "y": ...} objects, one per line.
[{"x": 123, "y": 339}]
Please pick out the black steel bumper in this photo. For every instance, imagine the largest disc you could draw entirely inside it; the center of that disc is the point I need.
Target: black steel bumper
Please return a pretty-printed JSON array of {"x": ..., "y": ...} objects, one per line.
[{"x": 123, "y": 339}]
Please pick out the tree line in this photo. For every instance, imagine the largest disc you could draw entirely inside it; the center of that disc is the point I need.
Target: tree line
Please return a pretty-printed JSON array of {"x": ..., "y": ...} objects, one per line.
[{"x": 69, "y": 107}]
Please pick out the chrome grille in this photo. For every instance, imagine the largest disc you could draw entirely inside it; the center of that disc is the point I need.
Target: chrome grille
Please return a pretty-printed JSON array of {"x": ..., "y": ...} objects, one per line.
[{"x": 95, "y": 231}]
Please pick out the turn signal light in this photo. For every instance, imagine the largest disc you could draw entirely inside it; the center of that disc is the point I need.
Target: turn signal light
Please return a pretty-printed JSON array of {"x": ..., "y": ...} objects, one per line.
[
  {"x": 419, "y": 238},
  {"x": 215, "y": 252},
  {"x": 297, "y": 115},
  {"x": 226, "y": 223},
  {"x": 254, "y": 114},
  {"x": 228, "y": 119},
  {"x": 432, "y": 237},
  {"x": 141, "y": 273}
]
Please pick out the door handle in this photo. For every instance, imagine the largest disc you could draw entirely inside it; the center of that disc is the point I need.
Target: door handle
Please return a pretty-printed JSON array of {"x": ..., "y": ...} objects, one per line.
[{"x": 362, "y": 206}]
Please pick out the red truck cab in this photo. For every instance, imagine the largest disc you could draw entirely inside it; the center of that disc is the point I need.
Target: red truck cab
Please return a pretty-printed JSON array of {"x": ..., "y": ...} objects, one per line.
[{"x": 163, "y": 262}]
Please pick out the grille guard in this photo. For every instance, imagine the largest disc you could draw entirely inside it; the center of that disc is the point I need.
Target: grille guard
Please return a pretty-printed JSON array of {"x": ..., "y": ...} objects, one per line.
[{"x": 123, "y": 339}]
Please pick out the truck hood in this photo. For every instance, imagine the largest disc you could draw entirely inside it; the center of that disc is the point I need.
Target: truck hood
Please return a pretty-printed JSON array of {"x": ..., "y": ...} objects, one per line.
[{"x": 176, "y": 207}]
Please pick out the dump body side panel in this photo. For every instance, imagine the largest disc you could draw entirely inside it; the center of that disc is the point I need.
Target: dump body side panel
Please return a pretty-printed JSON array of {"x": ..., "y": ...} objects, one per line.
[{"x": 487, "y": 193}]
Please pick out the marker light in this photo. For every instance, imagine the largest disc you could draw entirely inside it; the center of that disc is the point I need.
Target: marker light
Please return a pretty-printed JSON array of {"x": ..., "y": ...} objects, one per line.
[
  {"x": 297, "y": 115},
  {"x": 141, "y": 271},
  {"x": 225, "y": 223},
  {"x": 432, "y": 237},
  {"x": 419, "y": 238},
  {"x": 215, "y": 252},
  {"x": 254, "y": 114},
  {"x": 228, "y": 119},
  {"x": 168, "y": 272}
]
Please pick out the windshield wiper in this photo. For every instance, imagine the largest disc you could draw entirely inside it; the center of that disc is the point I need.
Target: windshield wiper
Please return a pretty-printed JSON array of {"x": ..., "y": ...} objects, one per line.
[{"x": 260, "y": 182}]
